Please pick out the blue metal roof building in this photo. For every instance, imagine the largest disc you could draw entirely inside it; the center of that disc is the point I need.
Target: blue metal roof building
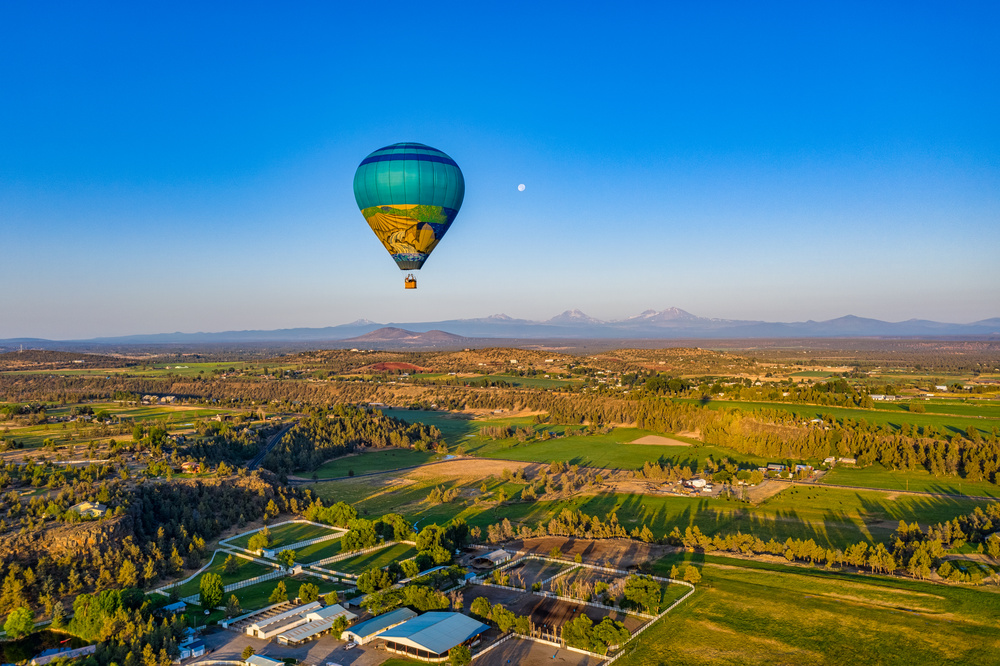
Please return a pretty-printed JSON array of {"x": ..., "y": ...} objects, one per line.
[{"x": 432, "y": 635}]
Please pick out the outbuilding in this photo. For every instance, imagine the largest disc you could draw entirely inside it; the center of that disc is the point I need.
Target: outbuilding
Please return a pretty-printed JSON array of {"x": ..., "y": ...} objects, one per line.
[
  {"x": 365, "y": 632},
  {"x": 431, "y": 636}
]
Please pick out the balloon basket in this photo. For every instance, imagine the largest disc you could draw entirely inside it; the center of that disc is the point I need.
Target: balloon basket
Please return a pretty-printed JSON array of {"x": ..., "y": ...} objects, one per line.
[{"x": 410, "y": 283}]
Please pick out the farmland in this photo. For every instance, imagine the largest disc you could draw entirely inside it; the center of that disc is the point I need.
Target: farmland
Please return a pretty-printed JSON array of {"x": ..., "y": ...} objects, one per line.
[{"x": 756, "y": 614}]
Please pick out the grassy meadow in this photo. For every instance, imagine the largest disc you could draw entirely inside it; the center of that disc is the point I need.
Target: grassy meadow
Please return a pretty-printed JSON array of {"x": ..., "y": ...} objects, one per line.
[
  {"x": 834, "y": 517},
  {"x": 373, "y": 461},
  {"x": 752, "y": 613}
]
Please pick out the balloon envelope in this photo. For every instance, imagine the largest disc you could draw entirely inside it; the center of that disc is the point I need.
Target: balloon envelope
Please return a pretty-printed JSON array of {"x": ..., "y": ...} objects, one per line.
[{"x": 409, "y": 193}]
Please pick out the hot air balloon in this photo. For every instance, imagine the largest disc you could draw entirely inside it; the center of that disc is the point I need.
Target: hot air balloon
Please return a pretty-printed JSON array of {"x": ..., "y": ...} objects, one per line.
[{"x": 409, "y": 193}]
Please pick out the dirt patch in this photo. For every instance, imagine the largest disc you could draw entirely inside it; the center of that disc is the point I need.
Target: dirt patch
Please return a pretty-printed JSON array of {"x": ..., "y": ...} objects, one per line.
[
  {"x": 530, "y": 653},
  {"x": 391, "y": 366},
  {"x": 658, "y": 440},
  {"x": 765, "y": 489},
  {"x": 546, "y": 612},
  {"x": 693, "y": 434},
  {"x": 472, "y": 468},
  {"x": 606, "y": 552}
]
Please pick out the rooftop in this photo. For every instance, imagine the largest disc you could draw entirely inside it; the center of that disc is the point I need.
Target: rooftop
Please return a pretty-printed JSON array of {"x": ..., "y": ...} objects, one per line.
[{"x": 435, "y": 632}]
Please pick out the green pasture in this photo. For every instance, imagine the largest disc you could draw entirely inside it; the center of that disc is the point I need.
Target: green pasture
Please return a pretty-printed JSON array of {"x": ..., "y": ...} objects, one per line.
[
  {"x": 373, "y": 461},
  {"x": 889, "y": 415},
  {"x": 877, "y": 476},
  {"x": 772, "y": 614},
  {"x": 256, "y": 596},
  {"x": 454, "y": 426},
  {"x": 611, "y": 451},
  {"x": 834, "y": 517},
  {"x": 319, "y": 551},
  {"x": 286, "y": 534},
  {"x": 245, "y": 569},
  {"x": 380, "y": 558}
]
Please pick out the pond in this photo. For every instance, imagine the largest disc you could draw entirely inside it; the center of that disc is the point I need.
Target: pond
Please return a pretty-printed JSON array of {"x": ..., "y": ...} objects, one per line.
[{"x": 12, "y": 652}]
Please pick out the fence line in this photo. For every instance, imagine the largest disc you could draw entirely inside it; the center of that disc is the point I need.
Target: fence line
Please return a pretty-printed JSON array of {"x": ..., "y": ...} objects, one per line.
[
  {"x": 271, "y": 552},
  {"x": 492, "y": 645},
  {"x": 363, "y": 551}
]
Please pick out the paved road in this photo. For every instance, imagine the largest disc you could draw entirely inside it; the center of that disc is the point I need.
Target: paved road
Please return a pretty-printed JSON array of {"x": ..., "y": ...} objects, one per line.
[{"x": 271, "y": 443}]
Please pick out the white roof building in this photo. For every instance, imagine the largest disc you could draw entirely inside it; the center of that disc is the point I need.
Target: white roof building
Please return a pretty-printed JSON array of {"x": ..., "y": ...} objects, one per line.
[
  {"x": 317, "y": 623},
  {"x": 272, "y": 626}
]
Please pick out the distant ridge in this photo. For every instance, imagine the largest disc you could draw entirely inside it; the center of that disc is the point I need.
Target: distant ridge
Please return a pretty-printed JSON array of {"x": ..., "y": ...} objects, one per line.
[
  {"x": 669, "y": 324},
  {"x": 400, "y": 335}
]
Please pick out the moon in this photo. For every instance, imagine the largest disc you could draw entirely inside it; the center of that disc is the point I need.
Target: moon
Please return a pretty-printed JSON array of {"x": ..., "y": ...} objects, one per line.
[{"x": 520, "y": 188}]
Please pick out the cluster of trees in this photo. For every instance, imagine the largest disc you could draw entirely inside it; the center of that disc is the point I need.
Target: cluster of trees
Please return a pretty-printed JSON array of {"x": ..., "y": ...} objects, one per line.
[
  {"x": 570, "y": 522},
  {"x": 579, "y": 632},
  {"x": 910, "y": 550},
  {"x": 325, "y": 434}
]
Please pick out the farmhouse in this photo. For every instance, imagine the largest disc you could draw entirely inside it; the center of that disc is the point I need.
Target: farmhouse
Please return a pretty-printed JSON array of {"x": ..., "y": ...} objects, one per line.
[
  {"x": 491, "y": 559},
  {"x": 89, "y": 509},
  {"x": 368, "y": 630},
  {"x": 190, "y": 467},
  {"x": 775, "y": 467},
  {"x": 431, "y": 636}
]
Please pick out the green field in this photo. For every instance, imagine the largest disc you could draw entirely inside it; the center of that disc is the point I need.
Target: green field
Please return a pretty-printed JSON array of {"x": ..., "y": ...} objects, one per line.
[
  {"x": 877, "y": 476},
  {"x": 834, "y": 517},
  {"x": 748, "y": 613},
  {"x": 380, "y": 558},
  {"x": 287, "y": 534},
  {"x": 319, "y": 551},
  {"x": 455, "y": 427},
  {"x": 247, "y": 569},
  {"x": 256, "y": 596},
  {"x": 373, "y": 461},
  {"x": 611, "y": 451},
  {"x": 956, "y": 419}
]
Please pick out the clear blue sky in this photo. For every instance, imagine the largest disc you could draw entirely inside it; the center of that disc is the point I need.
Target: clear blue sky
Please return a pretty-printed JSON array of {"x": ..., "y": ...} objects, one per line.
[{"x": 188, "y": 166}]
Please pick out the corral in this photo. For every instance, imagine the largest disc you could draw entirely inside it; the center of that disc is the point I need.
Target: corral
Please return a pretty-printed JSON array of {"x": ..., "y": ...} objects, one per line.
[
  {"x": 527, "y": 573},
  {"x": 547, "y": 612}
]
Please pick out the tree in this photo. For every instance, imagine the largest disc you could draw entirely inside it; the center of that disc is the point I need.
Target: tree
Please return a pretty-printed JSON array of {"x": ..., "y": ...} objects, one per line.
[
  {"x": 58, "y": 615},
  {"x": 692, "y": 575},
  {"x": 211, "y": 590},
  {"x": 287, "y": 558},
  {"x": 308, "y": 592},
  {"x": 460, "y": 655},
  {"x": 374, "y": 579},
  {"x": 20, "y": 623},
  {"x": 260, "y": 540},
  {"x": 503, "y": 617},
  {"x": 280, "y": 593},
  {"x": 127, "y": 575},
  {"x": 230, "y": 566},
  {"x": 271, "y": 511},
  {"x": 480, "y": 608},
  {"x": 233, "y": 606},
  {"x": 642, "y": 591},
  {"x": 339, "y": 625},
  {"x": 248, "y": 652}
]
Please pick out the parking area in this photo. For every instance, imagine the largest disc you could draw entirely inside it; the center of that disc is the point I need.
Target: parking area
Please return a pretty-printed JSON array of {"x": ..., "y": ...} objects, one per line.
[{"x": 225, "y": 645}]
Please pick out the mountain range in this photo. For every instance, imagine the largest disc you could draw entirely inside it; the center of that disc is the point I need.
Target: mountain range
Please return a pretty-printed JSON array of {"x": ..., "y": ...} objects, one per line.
[{"x": 672, "y": 323}]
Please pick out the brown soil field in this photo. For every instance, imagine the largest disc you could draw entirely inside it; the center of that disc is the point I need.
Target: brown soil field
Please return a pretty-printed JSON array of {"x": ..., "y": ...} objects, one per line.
[
  {"x": 391, "y": 366},
  {"x": 617, "y": 554},
  {"x": 534, "y": 571},
  {"x": 472, "y": 468},
  {"x": 545, "y": 611},
  {"x": 657, "y": 440}
]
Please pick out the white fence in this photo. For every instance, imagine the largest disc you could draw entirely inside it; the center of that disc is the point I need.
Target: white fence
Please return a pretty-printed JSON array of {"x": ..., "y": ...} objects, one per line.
[
  {"x": 278, "y": 573},
  {"x": 271, "y": 552},
  {"x": 363, "y": 551}
]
